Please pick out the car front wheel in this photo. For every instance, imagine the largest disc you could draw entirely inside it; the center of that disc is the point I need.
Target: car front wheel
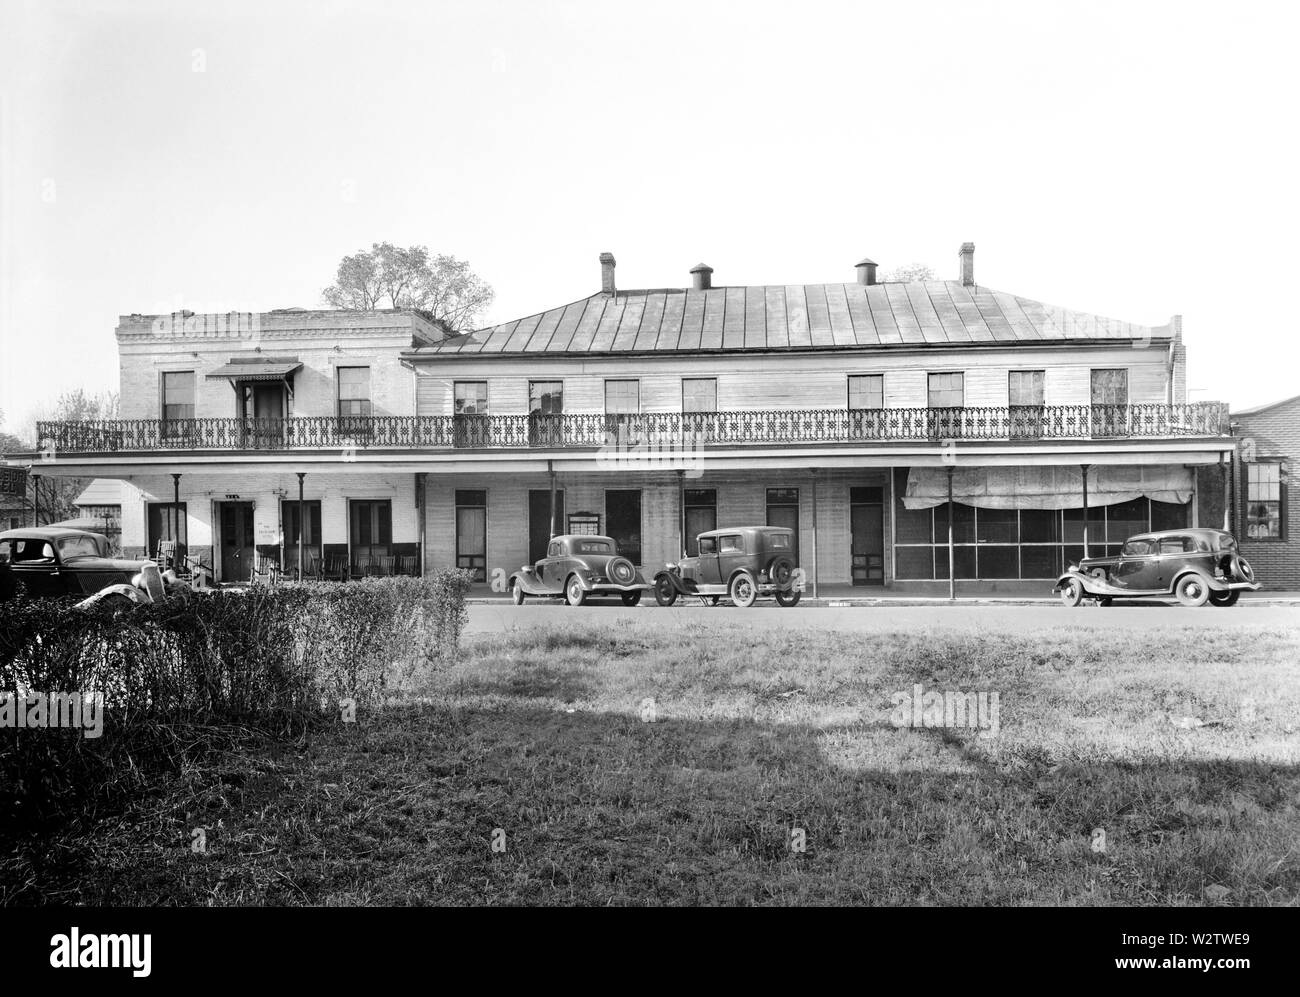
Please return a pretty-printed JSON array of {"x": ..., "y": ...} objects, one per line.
[
  {"x": 665, "y": 591},
  {"x": 517, "y": 594},
  {"x": 574, "y": 594},
  {"x": 743, "y": 591},
  {"x": 1072, "y": 593},
  {"x": 1192, "y": 591},
  {"x": 1225, "y": 598}
]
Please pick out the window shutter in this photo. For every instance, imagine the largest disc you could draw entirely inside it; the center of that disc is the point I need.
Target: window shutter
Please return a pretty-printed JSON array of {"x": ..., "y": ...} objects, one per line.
[
  {"x": 1284, "y": 486},
  {"x": 1243, "y": 500}
]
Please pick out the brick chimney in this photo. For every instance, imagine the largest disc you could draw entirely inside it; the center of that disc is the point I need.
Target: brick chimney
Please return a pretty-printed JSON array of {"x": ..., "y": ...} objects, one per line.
[
  {"x": 607, "y": 265},
  {"x": 967, "y": 256},
  {"x": 866, "y": 271},
  {"x": 702, "y": 276}
]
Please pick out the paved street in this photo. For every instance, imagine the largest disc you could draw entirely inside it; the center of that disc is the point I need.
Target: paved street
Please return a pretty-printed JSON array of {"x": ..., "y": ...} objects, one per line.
[{"x": 486, "y": 618}]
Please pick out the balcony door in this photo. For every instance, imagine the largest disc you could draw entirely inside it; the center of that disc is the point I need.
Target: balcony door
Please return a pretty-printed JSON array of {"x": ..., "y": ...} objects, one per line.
[
  {"x": 1110, "y": 402},
  {"x": 265, "y": 405}
]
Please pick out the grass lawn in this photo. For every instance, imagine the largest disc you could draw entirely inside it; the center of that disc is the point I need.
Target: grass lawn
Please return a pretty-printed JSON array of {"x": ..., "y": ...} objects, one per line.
[{"x": 1181, "y": 747}]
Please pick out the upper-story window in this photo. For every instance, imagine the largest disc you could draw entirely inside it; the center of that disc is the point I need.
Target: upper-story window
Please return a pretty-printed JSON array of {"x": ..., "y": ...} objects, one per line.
[
  {"x": 1025, "y": 394},
  {"x": 866, "y": 391},
  {"x": 1264, "y": 500},
  {"x": 699, "y": 394},
  {"x": 622, "y": 397},
  {"x": 471, "y": 398},
  {"x": 1110, "y": 386},
  {"x": 1110, "y": 402},
  {"x": 353, "y": 391},
  {"x": 947, "y": 390},
  {"x": 546, "y": 397},
  {"x": 178, "y": 394}
]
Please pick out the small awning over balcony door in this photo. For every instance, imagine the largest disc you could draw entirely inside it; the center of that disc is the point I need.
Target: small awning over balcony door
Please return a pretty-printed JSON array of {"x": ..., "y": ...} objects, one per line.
[
  {"x": 256, "y": 369},
  {"x": 1047, "y": 486}
]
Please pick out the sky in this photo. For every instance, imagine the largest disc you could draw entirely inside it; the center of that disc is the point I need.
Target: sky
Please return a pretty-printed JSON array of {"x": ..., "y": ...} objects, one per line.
[{"x": 1130, "y": 160}]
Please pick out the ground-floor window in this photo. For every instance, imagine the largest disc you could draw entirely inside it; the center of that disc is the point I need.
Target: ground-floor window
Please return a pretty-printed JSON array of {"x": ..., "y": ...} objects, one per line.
[
  {"x": 867, "y": 535},
  {"x": 540, "y": 520},
  {"x": 783, "y": 510},
  {"x": 167, "y": 523},
  {"x": 623, "y": 520},
  {"x": 701, "y": 515},
  {"x": 370, "y": 533},
  {"x": 1017, "y": 543},
  {"x": 471, "y": 532},
  {"x": 304, "y": 529}
]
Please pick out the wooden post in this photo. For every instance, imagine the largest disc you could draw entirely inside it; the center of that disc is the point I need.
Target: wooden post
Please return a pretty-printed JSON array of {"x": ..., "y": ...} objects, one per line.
[
  {"x": 422, "y": 506},
  {"x": 550, "y": 470},
  {"x": 36, "y": 500},
  {"x": 814, "y": 532},
  {"x": 952, "y": 551},
  {"x": 681, "y": 511},
  {"x": 301, "y": 522},
  {"x": 176, "y": 519},
  {"x": 1227, "y": 502},
  {"x": 1084, "y": 468}
]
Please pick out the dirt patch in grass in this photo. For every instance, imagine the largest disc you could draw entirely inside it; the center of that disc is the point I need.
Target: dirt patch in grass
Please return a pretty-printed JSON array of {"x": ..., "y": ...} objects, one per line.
[{"x": 1133, "y": 769}]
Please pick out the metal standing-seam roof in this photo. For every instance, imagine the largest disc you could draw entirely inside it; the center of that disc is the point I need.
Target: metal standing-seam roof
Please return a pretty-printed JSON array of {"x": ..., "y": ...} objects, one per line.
[{"x": 791, "y": 316}]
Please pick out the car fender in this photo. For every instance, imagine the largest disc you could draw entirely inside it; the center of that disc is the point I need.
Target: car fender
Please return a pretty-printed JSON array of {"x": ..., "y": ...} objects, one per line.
[
  {"x": 679, "y": 583},
  {"x": 130, "y": 591},
  {"x": 1075, "y": 576},
  {"x": 529, "y": 582},
  {"x": 1215, "y": 584},
  {"x": 741, "y": 571}
]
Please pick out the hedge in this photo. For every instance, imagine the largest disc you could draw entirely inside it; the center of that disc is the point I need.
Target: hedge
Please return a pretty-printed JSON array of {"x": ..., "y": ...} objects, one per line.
[{"x": 184, "y": 676}]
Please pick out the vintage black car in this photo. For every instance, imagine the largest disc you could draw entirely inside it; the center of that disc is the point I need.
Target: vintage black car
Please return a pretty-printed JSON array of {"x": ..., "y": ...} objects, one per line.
[
  {"x": 1195, "y": 566},
  {"x": 577, "y": 566},
  {"x": 740, "y": 563},
  {"x": 54, "y": 561}
]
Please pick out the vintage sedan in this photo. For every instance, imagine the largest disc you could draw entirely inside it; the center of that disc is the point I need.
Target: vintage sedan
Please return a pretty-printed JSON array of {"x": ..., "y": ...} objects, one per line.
[
  {"x": 741, "y": 563},
  {"x": 51, "y": 562},
  {"x": 577, "y": 566},
  {"x": 1195, "y": 566}
]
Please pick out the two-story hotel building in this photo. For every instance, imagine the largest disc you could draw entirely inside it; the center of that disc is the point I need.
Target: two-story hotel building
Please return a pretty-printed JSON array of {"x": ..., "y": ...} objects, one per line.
[{"x": 911, "y": 433}]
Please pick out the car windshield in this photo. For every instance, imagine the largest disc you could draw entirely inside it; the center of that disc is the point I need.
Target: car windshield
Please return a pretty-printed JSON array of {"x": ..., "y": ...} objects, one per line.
[
  {"x": 593, "y": 547},
  {"x": 71, "y": 547}
]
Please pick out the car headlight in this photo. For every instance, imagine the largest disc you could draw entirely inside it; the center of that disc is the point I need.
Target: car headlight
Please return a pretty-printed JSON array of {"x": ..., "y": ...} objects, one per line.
[{"x": 137, "y": 580}]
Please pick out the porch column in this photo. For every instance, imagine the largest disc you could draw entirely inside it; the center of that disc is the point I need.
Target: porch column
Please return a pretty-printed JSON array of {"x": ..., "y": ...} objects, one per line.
[
  {"x": 421, "y": 508},
  {"x": 36, "y": 500},
  {"x": 1227, "y": 502},
  {"x": 301, "y": 475},
  {"x": 952, "y": 551},
  {"x": 681, "y": 512},
  {"x": 1084, "y": 468},
  {"x": 550, "y": 470},
  {"x": 814, "y": 532},
  {"x": 176, "y": 517}
]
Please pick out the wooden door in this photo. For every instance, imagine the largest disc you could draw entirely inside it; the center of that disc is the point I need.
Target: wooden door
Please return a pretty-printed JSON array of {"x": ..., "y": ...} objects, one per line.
[{"x": 237, "y": 550}]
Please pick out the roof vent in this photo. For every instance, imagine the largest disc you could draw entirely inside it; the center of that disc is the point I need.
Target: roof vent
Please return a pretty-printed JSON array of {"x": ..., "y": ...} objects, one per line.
[
  {"x": 866, "y": 271},
  {"x": 702, "y": 276}
]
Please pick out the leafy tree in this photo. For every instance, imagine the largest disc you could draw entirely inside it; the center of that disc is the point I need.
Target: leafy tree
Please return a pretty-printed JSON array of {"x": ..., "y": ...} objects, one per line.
[
  {"x": 910, "y": 273},
  {"x": 388, "y": 276},
  {"x": 9, "y": 444}
]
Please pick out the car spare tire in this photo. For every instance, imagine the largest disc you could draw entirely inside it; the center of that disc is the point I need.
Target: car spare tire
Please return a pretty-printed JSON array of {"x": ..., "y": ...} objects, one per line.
[
  {"x": 621, "y": 571},
  {"x": 1240, "y": 567}
]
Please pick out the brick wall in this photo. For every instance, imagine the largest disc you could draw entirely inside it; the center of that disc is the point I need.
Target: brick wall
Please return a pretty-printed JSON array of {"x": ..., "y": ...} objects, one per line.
[{"x": 1271, "y": 433}]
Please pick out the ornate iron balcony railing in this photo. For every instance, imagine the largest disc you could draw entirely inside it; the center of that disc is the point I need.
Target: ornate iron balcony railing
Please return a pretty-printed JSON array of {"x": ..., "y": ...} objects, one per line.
[{"x": 775, "y": 427}]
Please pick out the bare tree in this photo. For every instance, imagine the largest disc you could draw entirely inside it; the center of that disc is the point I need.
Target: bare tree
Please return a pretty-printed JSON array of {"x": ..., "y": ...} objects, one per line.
[
  {"x": 58, "y": 493},
  {"x": 910, "y": 273},
  {"x": 409, "y": 277}
]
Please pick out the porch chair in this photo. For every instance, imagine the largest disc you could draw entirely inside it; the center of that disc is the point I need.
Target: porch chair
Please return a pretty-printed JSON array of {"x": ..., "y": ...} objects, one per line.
[
  {"x": 336, "y": 568},
  {"x": 406, "y": 564},
  {"x": 384, "y": 565}
]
